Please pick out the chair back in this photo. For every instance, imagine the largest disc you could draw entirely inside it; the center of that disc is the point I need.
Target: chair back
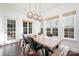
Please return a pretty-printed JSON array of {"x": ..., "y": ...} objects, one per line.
[
  {"x": 25, "y": 39},
  {"x": 64, "y": 50}
]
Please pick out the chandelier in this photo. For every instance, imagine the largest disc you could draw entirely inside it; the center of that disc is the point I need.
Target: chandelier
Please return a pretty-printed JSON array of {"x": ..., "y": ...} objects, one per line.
[{"x": 34, "y": 15}]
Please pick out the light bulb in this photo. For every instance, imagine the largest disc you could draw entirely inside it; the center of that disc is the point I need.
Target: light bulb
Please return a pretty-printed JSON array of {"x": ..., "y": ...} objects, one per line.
[
  {"x": 29, "y": 14},
  {"x": 36, "y": 16},
  {"x": 40, "y": 17}
]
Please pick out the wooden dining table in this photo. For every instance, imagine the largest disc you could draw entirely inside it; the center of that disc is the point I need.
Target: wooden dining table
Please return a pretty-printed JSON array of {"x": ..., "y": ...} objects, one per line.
[{"x": 50, "y": 42}]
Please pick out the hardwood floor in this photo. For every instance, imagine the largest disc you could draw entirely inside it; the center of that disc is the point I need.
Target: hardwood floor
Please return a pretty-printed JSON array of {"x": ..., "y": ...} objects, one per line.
[
  {"x": 71, "y": 53},
  {"x": 15, "y": 50},
  {"x": 10, "y": 50}
]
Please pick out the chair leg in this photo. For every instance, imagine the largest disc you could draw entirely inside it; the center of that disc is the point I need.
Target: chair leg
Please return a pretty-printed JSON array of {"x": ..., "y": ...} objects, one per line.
[{"x": 43, "y": 52}]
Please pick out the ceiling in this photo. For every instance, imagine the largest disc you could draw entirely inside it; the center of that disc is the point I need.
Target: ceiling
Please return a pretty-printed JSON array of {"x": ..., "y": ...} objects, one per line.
[{"x": 21, "y": 7}]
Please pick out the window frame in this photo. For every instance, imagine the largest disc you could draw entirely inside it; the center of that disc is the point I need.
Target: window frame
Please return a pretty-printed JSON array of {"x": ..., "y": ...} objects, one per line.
[
  {"x": 55, "y": 31},
  {"x": 74, "y": 16},
  {"x": 28, "y": 28},
  {"x": 11, "y": 29}
]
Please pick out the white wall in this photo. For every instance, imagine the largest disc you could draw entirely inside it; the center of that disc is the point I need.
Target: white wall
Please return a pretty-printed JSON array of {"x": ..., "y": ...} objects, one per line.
[
  {"x": 1, "y": 30},
  {"x": 36, "y": 27},
  {"x": 77, "y": 25},
  {"x": 13, "y": 16},
  {"x": 59, "y": 10},
  {"x": 9, "y": 14},
  {"x": 1, "y": 26}
]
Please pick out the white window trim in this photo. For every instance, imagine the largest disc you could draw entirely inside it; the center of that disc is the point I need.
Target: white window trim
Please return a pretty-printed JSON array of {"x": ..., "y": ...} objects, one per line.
[
  {"x": 15, "y": 29},
  {"x": 27, "y": 28},
  {"x": 67, "y": 38}
]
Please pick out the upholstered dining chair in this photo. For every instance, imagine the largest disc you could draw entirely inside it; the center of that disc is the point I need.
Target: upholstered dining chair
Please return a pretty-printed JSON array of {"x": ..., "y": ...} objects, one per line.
[{"x": 61, "y": 51}]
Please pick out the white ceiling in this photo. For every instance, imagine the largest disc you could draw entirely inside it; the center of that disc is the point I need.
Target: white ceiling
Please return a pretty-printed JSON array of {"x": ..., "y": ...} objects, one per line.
[{"x": 19, "y": 7}]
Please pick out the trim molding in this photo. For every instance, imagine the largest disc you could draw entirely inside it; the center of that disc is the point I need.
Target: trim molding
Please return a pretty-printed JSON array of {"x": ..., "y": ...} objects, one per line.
[
  {"x": 52, "y": 17},
  {"x": 69, "y": 13},
  {"x": 27, "y": 21}
]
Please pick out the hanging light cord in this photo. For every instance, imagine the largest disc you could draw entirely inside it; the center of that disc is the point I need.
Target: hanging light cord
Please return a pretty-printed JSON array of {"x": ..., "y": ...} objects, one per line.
[
  {"x": 35, "y": 7},
  {"x": 29, "y": 6},
  {"x": 40, "y": 8}
]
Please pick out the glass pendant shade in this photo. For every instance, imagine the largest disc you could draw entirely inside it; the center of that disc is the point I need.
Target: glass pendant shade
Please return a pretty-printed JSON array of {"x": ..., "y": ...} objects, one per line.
[
  {"x": 35, "y": 16},
  {"x": 29, "y": 14},
  {"x": 40, "y": 17}
]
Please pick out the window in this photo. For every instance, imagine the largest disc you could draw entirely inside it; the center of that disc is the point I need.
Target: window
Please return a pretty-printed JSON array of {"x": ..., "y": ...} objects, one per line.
[
  {"x": 27, "y": 27},
  {"x": 24, "y": 27},
  {"x": 30, "y": 27},
  {"x": 48, "y": 32},
  {"x": 69, "y": 18},
  {"x": 55, "y": 31},
  {"x": 69, "y": 26},
  {"x": 41, "y": 30},
  {"x": 53, "y": 25},
  {"x": 11, "y": 29},
  {"x": 69, "y": 32},
  {"x": 41, "y": 27}
]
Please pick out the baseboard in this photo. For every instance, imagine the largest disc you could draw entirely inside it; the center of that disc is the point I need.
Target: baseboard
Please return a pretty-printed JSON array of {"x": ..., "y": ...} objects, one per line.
[{"x": 8, "y": 44}]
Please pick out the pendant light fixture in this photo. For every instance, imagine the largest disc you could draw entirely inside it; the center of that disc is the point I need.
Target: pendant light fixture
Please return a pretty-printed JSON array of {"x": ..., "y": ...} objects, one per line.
[
  {"x": 30, "y": 14},
  {"x": 39, "y": 17},
  {"x": 35, "y": 16}
]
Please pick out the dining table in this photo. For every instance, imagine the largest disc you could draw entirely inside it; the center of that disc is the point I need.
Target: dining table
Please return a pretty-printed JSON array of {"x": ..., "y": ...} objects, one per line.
[{"x": 49, "y": 42}]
